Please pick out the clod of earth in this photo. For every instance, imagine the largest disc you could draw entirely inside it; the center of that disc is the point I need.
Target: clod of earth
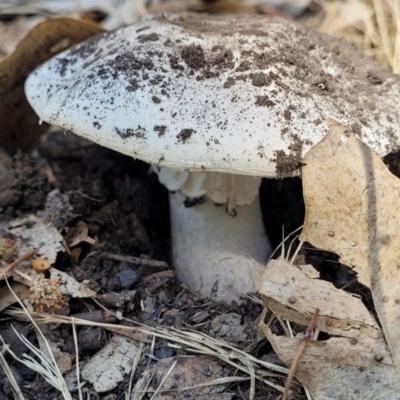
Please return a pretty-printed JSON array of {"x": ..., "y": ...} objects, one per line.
[{"x": 221, "y": 108}]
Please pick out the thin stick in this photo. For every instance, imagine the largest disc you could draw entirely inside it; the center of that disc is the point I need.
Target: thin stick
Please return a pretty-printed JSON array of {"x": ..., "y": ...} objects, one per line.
[
  {"x": 282, "y": 243},
  {"x": 166, "y": 376},
  {"x": 300, "y": 351},
  {"x": 18, "y": 261},
  {"x": 296, "y": 252},
  {"x": 290, "y": 247},
  {"x": 78, "y": 374}
]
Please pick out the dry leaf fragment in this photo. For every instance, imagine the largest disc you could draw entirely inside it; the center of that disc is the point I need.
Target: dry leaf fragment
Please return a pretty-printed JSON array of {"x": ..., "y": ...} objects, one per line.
[
  {"x": 20, "y": 129},
  {"x": 355, "y": 365},
  {"x": 109, "y": 366},
  {"x": 79, "y": 233},
  {"x": 352, "y": 209},
  {"x": 339, "y": 368},
  {"x": 292, "y": 295},
  {"x": 309, "y": 270},
  {"x": 32, "y": 232},
  {"x": 70, "y": 286}
]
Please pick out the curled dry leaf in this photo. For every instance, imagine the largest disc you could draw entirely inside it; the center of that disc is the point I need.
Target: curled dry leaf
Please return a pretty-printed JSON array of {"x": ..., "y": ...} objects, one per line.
[
  {"x": 355, "y": 364},
  {"x": 79, "y": 233},
  {"x": 20, "y": 129},
  {"x": 352, "y": 209},
  {"x": 338, "y": 369}
]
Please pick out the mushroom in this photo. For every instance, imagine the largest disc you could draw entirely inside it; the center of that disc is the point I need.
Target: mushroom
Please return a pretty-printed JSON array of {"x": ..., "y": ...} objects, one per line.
[{"x": 215, "y": 103}]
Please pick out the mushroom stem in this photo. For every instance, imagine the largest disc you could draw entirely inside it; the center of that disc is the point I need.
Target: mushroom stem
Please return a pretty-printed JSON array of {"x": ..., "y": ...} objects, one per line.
[{"x": 210, "y": 246}]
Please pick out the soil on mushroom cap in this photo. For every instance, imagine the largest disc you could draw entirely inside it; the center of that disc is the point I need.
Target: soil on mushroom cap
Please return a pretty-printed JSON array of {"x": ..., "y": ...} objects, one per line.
[
  {"x": 303, "y": 64},
  {"x": 294, "y": 63}
]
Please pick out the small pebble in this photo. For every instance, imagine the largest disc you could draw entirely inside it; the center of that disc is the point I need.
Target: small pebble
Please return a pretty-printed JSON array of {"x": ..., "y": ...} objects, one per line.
[{"x": 127, "y": 278}]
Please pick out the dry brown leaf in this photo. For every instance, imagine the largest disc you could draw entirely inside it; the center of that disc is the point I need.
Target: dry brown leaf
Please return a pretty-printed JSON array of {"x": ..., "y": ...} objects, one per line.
[
  {"x": 338, "y": 368},
  {"x": 78, "y": 233},
  {"x": 354, "y": 365},
  {"x": 352, "y": 209},
  {"x": 292, "y": 295},
  {"x": 20, "y": 129}
]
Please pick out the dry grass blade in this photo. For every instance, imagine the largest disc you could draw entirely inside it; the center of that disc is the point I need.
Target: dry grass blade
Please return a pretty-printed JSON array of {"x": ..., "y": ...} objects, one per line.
[
  {"x": 18, "y": 261},
  {"x": 129, "y": 394},
  {"x": 215, "y": 382},
  {"x": 6, "y": 368},
  {"x": 48, "y": 370},
  {"x": 78, "y": 374},
  {"x": 47, "y": 367},
  {"x": 139, "y": 394},
  {"x": 252, "y": 380},
  {"x": 384, "y": 32},
  {"x": 194, "y": 342},
  {"x": 373, "y": 25},
  {"x": 167, "y": 374}
]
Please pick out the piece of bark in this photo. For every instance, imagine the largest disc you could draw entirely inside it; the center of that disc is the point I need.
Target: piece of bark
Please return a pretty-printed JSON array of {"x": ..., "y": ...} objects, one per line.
[
  {"x": 116, "y": 300},
  {"x": 97, "y": 316}
]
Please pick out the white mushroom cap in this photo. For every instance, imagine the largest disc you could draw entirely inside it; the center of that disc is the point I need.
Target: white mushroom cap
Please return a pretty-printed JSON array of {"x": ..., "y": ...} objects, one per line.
[{"x": 244, "y": 95}]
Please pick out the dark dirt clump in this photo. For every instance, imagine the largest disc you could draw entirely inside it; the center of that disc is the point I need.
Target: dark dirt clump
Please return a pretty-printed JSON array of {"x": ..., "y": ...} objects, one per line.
[
  {"x": 193, "y": 56},
  {"x": 184, "y": 134}
]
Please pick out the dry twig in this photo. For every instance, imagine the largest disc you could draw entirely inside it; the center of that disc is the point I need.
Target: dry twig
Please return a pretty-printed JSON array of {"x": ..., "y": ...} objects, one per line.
[
  {"x": 137, "y": 261},
  {"x": 300, "y": 351},
  {"x": 18, "y": 261}
]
